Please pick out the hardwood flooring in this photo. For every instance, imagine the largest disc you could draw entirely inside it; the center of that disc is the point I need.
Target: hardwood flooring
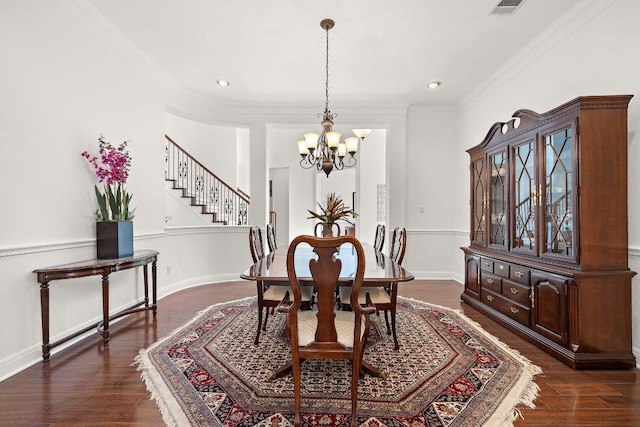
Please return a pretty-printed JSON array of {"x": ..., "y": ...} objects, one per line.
[{"x": 88, "y": 385}]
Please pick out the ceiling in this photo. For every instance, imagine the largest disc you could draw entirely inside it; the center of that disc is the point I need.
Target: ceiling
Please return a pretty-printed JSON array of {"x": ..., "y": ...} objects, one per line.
[{"x": 380, "y": 51}]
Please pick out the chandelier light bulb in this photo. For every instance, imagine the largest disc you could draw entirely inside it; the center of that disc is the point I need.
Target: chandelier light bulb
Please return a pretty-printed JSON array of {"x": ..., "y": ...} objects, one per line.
[
  {"x": 303, "y": 150},
  {"x": 333, "y": 139},
  {"x": 351, "y": 144},
  {"x": 312, "y": 140},
  {"x": 342, "y": 149},
  {"x": 362, "y": 133}
]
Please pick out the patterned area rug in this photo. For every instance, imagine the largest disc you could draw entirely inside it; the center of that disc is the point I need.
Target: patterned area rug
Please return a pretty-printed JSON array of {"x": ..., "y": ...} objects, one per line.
[{"x": 448, "y": 372}]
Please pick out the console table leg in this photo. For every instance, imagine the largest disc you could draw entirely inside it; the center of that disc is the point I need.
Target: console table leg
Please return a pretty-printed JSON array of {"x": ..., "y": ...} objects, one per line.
[
  {"x": 44, "y": 312},
  {"x": 154, "y": 286},
  {"x": 146, "y": 285},
  {"x": 105, "y": 309}
]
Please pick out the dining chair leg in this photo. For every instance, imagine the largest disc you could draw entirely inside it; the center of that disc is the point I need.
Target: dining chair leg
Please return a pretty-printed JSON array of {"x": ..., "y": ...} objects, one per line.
[
  {"x": 394, "y": 303},
  {"x": 386, "y": 319},
  {"x": 260, "y": 308},
  {"x": 266, "y": 318},
  {"x": 259, "y": 326},
  {"x": 355, "y": 375},
  {"x": 393, "y": 327},
  {"x": 297, "y": 420}
]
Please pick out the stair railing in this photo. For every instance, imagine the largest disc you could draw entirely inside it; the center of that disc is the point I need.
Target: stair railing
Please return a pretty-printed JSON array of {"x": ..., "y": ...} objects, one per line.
[{"x": 203, "y": 187}]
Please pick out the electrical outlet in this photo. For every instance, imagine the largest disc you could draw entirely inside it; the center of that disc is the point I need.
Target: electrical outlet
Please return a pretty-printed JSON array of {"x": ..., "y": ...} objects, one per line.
[
  {"x": 168, "y": 269},
  {"x": 421, "y": 209}
]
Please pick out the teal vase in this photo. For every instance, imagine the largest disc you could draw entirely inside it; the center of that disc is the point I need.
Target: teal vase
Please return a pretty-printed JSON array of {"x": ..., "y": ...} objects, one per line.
[{"x": 114, "y": 239}]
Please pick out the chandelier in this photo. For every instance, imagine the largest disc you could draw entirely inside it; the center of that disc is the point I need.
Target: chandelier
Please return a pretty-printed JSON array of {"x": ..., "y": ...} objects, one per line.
[{"x": 325, "y": 151}]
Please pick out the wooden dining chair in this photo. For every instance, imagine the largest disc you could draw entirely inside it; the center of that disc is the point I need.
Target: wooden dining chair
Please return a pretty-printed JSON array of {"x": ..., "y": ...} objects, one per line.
[
  {"x": 385, "y": 297},
  {"x": 326, "y": 333},
  {"x": 269, "y": 295},
  {"x": 271, "y": 237},
  {"x": 378, "y": 243}
]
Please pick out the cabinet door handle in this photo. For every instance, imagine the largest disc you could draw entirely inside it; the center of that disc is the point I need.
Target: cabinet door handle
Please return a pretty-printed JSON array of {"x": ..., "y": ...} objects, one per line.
[
  {"x": 519, "y": 274},
  {"x": 486, "y": 264},
  {"x": 515, "y": 310},
  {"x": 490, "y": 297},
  {"x": 515, "y": 291},
  {"x": 532, "y": 297},
  {"x": 489, "y": 281},
  {"x": 501, "y": 267}
]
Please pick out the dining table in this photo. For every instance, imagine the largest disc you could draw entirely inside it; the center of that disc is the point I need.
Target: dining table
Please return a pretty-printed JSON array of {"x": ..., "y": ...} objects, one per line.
[{"x": 380, "y": 270}]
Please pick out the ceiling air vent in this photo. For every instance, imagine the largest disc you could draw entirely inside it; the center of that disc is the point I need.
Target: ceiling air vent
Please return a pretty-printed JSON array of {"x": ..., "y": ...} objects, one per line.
[{"x": 507, "y": 7}]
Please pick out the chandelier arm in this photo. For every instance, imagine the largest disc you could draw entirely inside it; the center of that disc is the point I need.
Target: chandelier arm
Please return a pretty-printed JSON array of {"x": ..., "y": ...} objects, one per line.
[
  {"x": 351, "y": 161},
  {"x": 306, "y": 164}
]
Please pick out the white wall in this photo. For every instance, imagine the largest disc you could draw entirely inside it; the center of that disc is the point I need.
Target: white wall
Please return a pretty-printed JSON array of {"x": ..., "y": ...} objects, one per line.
[
  {"x": 216, "y": 147},
  {"x": 62, "y": 85},
  {"x": 372, "y": 169}
]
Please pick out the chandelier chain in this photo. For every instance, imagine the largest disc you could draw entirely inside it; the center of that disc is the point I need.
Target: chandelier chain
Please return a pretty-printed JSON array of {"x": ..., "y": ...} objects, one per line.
[{"x": 326, "y": 105}]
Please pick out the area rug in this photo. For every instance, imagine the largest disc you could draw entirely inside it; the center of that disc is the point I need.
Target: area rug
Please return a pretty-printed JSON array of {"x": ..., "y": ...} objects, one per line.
[{"x": 448, "y": 372}]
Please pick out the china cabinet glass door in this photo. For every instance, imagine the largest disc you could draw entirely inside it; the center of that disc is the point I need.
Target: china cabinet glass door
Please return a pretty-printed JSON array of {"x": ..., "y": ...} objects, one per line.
[
  {"x": 559, "y": 194},
  {"x": 525, "y": 197},
  {"x": 498, "y": 199},
  {"x": 478, "y": 202}
]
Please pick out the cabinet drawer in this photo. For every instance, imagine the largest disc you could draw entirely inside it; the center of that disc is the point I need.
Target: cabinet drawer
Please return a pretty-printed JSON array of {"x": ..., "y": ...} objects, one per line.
[
  {"x": 486, "y": 265},
  {"x": 520, "y": 274},
  {"x": 517, "y": 292},
  {"x": 501, "y": 268},
  {"x": 509, "y": 308},
  {"x": 491, "y": 282}
]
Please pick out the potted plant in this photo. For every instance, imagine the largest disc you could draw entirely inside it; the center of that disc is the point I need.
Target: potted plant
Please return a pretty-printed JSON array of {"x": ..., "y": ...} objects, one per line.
[
  {"x": 333, "y": 211},
  {"x": 114, "y": 226}
]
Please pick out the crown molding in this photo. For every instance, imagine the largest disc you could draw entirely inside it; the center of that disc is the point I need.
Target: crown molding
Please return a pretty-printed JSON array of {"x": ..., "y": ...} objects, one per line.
[{"x": 571, "y": 21}]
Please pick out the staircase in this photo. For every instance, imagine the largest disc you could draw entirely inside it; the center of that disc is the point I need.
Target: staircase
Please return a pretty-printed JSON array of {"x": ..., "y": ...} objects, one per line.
[{"x": 203, "y": 188}]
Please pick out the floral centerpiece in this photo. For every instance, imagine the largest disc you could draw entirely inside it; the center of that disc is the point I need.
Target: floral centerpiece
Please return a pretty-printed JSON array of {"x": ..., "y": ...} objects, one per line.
[
  {"x": 114, "y": 229},
  {"x": 113, "y": 170},
  {"x": 333, "y": 211}
]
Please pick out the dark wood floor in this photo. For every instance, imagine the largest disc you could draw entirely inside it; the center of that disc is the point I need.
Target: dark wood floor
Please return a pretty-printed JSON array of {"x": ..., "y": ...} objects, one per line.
[{"x": 87, "y": 384}]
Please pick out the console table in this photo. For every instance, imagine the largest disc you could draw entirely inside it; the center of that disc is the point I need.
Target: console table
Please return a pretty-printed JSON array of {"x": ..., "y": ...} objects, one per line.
[{"x": 96, "y": 267}]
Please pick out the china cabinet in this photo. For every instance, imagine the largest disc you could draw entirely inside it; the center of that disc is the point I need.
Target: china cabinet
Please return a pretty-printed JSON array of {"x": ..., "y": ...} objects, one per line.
[{"x": 548, "y": 257}]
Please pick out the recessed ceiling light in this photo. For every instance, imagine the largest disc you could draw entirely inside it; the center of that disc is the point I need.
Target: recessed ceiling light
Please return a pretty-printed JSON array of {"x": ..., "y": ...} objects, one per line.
[
  {"x": 433, "y": 85},
  {"x": 223, "y": 83}
]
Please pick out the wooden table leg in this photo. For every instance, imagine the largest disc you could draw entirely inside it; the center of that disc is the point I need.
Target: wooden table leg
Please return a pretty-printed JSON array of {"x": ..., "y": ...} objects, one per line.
[
  {"x": 105, "y": 309},
  {"x": 154, "y": 286},
  {"x": 145, "y": 275},
  {"x": 44, "y": 312}
]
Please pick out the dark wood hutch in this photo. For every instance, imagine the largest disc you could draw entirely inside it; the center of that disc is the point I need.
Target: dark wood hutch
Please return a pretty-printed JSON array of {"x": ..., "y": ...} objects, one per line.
[{"x": 548, "y": 254}]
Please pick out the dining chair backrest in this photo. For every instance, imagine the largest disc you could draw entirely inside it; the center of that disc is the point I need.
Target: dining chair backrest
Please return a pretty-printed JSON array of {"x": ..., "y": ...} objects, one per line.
[
  {"x": 398, "y": 244},
  {"x": 378, "y": 243},
  {"x": 325, "y": 272},
  {"x": 271, "y": 237},
  {"x": 255, "y": 243}
]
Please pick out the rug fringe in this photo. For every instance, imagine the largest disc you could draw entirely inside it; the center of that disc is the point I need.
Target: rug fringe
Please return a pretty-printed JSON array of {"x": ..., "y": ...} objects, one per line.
[
  {"x": 530, "y": 370},
  {"x": 143, "y": 364},
  {"x": 156, "y": 396}
]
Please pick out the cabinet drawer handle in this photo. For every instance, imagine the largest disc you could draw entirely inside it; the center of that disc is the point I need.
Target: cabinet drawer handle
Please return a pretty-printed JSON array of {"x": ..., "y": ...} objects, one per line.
[
  {"x": 519, "y": 274},
  {"x": 501, "y": 267},
  {"x": 489, "y": 297},
  {"x": 515, "y": 310},
  {"x": 489, "y": 281},
  {"x": 515, "y": 291},
  {"x": 486, "y": 264}
]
